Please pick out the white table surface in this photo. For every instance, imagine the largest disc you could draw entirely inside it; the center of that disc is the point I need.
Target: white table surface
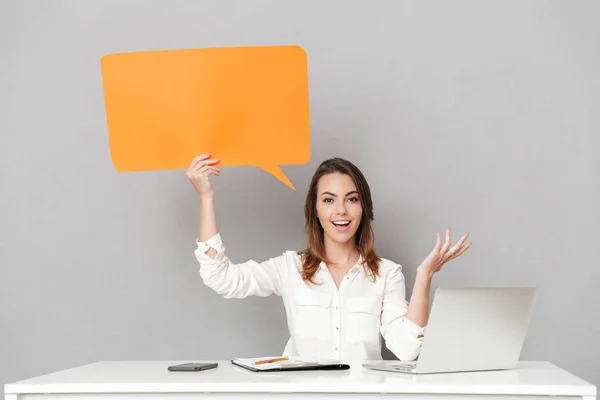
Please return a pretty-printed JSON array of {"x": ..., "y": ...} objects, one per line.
[{"x": 136, "y": 377}]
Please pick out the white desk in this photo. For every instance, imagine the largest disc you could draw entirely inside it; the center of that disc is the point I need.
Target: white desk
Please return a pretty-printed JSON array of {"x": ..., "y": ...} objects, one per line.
[{"x": 151, "y": 380}]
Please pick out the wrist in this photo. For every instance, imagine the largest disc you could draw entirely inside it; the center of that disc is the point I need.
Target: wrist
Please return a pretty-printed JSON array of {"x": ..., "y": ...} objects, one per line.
[
  {"x": 207, "y": 198},
  {"x": 424, "y": 276}
]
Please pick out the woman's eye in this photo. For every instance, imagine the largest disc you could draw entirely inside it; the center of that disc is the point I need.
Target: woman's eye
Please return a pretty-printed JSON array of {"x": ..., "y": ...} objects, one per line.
[
  {"x": 353, "y": 199},
  {"x": 328, "y": 200}
]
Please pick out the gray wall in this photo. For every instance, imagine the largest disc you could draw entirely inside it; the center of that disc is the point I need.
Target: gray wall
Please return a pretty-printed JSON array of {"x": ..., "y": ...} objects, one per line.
[{"x": 481, "y": 116}]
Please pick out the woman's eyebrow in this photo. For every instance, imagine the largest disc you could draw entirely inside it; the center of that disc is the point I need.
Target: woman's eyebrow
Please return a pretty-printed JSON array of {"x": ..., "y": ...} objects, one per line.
[{"x": 335, "y": 195}]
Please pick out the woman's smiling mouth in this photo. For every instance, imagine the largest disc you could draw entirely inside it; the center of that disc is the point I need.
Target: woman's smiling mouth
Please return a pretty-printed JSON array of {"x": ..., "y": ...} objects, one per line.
[{"x": 341, "y": 226}]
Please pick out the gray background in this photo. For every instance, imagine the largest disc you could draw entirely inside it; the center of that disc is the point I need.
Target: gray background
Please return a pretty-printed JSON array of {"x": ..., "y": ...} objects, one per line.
[{"x": 476, "y": 115}]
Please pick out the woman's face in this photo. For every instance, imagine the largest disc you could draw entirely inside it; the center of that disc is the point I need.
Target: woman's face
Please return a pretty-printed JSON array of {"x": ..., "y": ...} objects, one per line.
[{"x": 339, "y": 208}]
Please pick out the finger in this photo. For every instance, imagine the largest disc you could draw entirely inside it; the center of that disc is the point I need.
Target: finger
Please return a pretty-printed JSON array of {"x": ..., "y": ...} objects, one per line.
[
  {"x": 198, "y": 158},
  {"x": 203, "y": 163},
  {"x": 200, "y": 161},
  {"x": 462, "y": 250},
  {"x": 438, "y": 242},
  {"x": 207, "y": 170},
  {"x": 465, "y": 248},
  {"x": 447, "y": 242},
  {"x": 459, "y": 244}
]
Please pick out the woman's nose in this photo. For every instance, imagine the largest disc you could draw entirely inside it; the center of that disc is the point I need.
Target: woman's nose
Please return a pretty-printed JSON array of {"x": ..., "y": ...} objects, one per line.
[{"x": 341, "y": 210}]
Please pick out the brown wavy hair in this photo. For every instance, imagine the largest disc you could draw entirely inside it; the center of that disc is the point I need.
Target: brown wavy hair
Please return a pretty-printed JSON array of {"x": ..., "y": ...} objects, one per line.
[{"x": 364, "y": 238}]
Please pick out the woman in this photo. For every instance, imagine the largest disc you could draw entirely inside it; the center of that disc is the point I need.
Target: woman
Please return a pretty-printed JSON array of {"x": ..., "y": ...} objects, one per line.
[{"x": 338, "y": 294}]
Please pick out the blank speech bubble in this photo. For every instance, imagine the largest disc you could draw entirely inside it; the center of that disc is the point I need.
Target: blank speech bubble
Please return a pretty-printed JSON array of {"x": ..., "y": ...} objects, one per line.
[{"x": 244, "y": 105}]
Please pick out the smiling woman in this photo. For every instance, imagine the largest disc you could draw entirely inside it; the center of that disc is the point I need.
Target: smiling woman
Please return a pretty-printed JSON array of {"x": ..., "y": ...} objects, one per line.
[
  {"x": 339, "y": 296},
  {"x": 338, "y": 211}
]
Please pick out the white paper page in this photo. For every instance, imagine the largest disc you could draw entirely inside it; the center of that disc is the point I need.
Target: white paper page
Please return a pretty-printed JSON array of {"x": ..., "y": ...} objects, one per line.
[{"x": 293, "y": 361}]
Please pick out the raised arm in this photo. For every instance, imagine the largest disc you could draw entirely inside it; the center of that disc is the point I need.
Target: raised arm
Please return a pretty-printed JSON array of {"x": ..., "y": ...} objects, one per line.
[
  {"x": 199, "y": 171},
  {"x": 403, "y": 323},
  {"x": 217, "y": 271},
  {"x": 418, "y": 311},
  {"x": 402, "y": 336}
]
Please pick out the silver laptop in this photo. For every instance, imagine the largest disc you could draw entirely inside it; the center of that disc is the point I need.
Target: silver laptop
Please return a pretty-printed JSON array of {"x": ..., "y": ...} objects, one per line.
[{"x": 471, "y": 329}]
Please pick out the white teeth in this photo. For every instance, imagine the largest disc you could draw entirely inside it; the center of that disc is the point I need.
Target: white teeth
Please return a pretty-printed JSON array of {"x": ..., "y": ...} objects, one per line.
[{"x": 339, "y": 223}]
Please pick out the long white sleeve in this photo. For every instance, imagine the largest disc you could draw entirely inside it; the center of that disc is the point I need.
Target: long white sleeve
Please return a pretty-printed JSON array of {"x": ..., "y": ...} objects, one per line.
[
  {"x": 240, "y": 280},
  {"x": 400, "y": 333}
]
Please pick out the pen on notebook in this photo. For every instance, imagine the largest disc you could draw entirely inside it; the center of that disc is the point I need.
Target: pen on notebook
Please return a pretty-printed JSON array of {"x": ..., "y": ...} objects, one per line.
[{"x": 271, "y": 360}]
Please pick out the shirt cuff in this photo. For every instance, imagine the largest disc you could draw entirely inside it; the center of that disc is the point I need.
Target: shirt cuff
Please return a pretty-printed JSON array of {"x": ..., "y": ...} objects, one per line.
[
  {"x": 414, "y": 329},
  {"x": 213, "y": 242}
]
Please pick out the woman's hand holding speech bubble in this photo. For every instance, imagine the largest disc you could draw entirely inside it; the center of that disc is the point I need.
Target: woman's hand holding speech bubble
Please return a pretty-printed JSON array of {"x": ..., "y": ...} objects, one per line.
[{"x": 199, "y": 171}]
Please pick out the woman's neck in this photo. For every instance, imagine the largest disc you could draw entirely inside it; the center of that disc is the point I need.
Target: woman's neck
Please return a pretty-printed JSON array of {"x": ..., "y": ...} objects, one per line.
[{"x": 341, "y": 253}]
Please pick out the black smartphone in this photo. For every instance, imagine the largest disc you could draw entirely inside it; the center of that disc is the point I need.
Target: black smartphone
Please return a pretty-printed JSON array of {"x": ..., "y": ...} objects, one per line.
[{"x": 191, "y": 367}]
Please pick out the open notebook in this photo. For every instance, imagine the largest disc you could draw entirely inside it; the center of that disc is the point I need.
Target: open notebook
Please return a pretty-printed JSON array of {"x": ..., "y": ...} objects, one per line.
[{"x": 287, "y": 364}]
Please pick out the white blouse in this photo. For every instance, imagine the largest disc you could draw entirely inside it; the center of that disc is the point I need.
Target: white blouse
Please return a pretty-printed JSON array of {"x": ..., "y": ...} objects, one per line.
[{"x": 324, "y": 322}]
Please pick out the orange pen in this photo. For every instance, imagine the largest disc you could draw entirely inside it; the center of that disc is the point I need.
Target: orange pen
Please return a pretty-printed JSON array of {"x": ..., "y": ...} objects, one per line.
[{"x": 271, "y": 360}]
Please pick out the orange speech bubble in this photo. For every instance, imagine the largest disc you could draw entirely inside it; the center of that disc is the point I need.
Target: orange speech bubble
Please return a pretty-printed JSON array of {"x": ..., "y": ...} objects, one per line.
[{"x": 244, "y": 105}]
